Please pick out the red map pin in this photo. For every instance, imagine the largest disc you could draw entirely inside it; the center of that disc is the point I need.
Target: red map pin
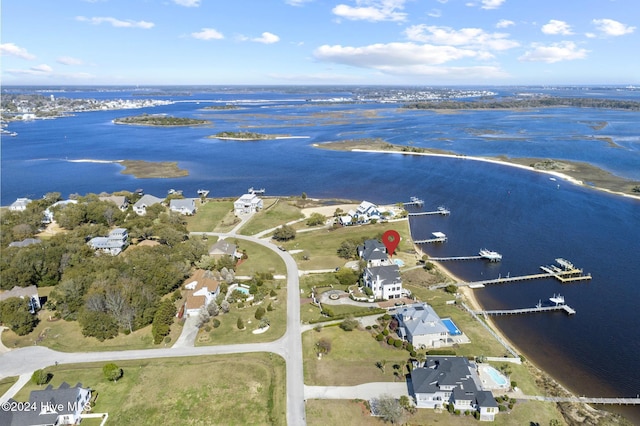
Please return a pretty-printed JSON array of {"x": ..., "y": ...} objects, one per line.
[{"x": 391, "y": 239}]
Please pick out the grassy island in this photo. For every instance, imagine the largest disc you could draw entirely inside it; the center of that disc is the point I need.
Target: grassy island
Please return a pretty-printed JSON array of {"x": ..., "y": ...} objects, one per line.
[
  {"x": 578, "y": 172},
  {"x": 222, "y": 107},
  {"x": 244, "y": 136},
  {"x": 159, "y": 120},
  {"x": 148, "y": 170}
]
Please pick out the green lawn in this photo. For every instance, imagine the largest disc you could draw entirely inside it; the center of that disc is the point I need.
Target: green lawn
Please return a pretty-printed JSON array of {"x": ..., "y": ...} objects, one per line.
[
  {"x": 352, "y": 359},
  {"x": 261, "y": 259},
  {"x": 276, "y": 212},
  {"x": 226, "y": 389},
  {"x": 66, "y": 336},
  {"x": 321, "y": 245},
  {"x": 213, "y": 216},
  {"x": 6, "y": 383},
  {"x": 228, "y": 333},
  {"x": 352, "y": 413}
]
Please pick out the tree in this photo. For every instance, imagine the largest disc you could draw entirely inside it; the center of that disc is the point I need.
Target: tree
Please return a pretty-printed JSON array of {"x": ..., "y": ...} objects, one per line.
[
  {"x": 240, "y": 324},
  {"x": 259, "y": 313},
  {"x": 162, "y": 320},
  {"x": 348, "y": 249},
  {"x": 15, "y": 314},
  {"x": 349, "y": 324},
  {"x": 323, "y": 346},
  {"x": 213, "y": 309},
  {"x": 347, "y": 276},
  {"x": 224, "y": 306},
  {"x": 41, "y": 377},
  {"x": 284, "y": 233},
  {"x": 316, "y": 219},
  {"x": 98, "y": 324},
  {"x": 112, "y": 372},
  {"x": 388, "y": 408}
]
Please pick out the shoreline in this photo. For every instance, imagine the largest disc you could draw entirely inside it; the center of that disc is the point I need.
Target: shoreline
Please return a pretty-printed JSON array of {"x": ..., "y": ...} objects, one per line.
[{"x": 469, "y": 296}]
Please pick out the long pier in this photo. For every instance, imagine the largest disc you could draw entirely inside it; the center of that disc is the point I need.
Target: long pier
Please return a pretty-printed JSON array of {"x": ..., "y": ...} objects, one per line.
[
  {"x": 415, "y": 201},
  {"x": 444, "y": 259},
  {"x": 583, "y": 399},
  {"x": 567, "y": 309},
  {"x": 439, "y": 237},
  {"x": 441, "y": 211}
]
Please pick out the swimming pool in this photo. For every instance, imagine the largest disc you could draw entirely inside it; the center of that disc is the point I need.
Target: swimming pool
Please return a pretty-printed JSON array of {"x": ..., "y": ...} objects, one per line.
[
  {"x": 496, "y": 376},
  {"x": 242, "y": 290},
  {"x": 451, "y": 326}
]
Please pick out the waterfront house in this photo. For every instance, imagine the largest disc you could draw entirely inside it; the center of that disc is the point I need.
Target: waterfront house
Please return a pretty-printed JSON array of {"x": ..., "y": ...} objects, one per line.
[
  {"x": 364, "y": 213},
  {"x": 444, "y": 380},
  {"x": 147, "y": 200},
  {"x": 421, "y": 326},
  {"x": 49, "y": 406},
  {"x": 30, "y": 293},
  {"x": 374, "y": 253},
  {"x": 119, "y": 200},
  {"x": 202, "y": 289},
  {"x": 20, "y": 204},
  {"x": 384, "y": 281},
  {"x": 113, "y": 244},
  {"x": 186, "y": 206},
  {"x": 248, "y": 203}
]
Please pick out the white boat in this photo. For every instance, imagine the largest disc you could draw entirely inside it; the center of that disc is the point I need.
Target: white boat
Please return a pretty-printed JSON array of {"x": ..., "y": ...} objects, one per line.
[
  {"x": 252, "y": 190},
  {"x": 493, "y": 256}
]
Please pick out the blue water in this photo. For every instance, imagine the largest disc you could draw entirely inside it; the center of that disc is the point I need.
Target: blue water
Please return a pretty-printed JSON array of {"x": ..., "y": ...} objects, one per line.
[
  {"x": 523, "y": 215},
  {"x": 451, "y": 326},
  {"x": 242, "y": 290}
]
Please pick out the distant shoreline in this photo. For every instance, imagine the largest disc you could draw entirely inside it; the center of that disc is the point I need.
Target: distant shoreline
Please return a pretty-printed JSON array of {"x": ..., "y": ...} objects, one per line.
[{"x": 607, "y": 182}]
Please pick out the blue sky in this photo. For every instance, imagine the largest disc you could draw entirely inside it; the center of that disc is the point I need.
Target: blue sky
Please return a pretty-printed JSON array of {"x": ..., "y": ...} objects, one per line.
[{"x": 399, "y": 42}]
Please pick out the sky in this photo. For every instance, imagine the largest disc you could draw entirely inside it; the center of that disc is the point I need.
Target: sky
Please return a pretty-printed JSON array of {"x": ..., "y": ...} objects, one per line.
[{"x": 322, "y": 42}]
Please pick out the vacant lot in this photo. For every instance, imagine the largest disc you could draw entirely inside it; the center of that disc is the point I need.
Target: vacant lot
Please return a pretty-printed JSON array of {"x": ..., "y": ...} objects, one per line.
[
  {"x": 221, "y": 390},
  {"x": 276, "y": 212},
  {"x": 213, "y": 216},
  {"x": 260, "y": 259}
]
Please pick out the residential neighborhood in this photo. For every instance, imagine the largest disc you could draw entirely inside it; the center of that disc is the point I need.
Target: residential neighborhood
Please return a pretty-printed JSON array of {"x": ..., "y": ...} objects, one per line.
[{"x": 213, "y": 287}]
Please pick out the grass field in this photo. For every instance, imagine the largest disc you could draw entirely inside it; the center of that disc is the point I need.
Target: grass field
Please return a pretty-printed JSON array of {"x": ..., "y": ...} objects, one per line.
[
  {"x": 228, "y": 333},
  {"x": 352, "y": 359},
  {"x": 276, "y": 212},
  {"x": 213, "y": 216},
  {"x": 66, "y": 336},
  {"x": 6, "y": 383},
  {"x": 321, "y": 246},
  {"x": 352, "y": 413},
  {"x": 209, "y": 390},
  {"x": 261, "y": 259}
]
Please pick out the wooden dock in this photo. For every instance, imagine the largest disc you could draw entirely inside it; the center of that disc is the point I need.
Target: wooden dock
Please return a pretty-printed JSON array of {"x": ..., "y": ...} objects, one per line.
[
  {"x": 441, "y": 211},
  {"x": 414, "y": 201},
  {"x": 445, "y": 259},
  {"x": 567, "y": 309},
  {"x": 438, "y": 237}
]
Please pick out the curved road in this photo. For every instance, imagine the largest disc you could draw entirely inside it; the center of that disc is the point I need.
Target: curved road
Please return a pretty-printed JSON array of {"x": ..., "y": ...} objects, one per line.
[{"x": 26, "y": 360}]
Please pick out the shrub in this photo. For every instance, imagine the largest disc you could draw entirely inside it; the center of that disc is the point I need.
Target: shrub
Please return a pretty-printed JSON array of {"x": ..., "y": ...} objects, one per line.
[
  {"x": 385, "y": 332},
  {"x": 349, "y": 324},
  {"x": 270, "y": 307},
  {"x": 112, "y": 372},
  {"x": 216, "y": 323},
  {"x": 167, "y": 339},
  {"x": 40, "y": 377},
  {"x": 259, "y": 313},
  {"x": 240, "y": 324},
  {"x": 207, "y": 328},
  {"x": 390, "y": 340},
  {"x": 380, "y": 337},
  {"x": 397, "y": 343},
  {"x": 502, "y": 408},
  {"x": 514, "y": 384}
]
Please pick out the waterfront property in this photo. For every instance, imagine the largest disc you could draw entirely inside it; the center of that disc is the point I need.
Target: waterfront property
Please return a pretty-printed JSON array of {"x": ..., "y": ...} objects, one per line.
[
  {"x": 381, "y": 275},
  {"x": 248, "y": 203},
  {"x": 364, "y": 213},
  {"x": 50, "y": 211},
  {"x": 186, "y": 206},
  {"x": 224, "y": 248},
  {"x": 19, "y": 205},
  {"x": 422, "y": 327},
  {"x": 62, "y": 406},
  {"x": 119, "y": 200},
  {"x": 112, "y": 244},
  {"x": 443, "y": 380},
  {"x": 147, "y": 200}
]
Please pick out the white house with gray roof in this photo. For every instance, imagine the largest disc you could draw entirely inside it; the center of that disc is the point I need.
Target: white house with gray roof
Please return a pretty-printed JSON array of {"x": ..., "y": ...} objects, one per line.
[
  {"x": 381, "y": 275},
  {"x": 451, "y": 380},
  {"x": 113, "y": 244},
  {"x": 62, "y": 406},
  {"x": 421, "y": 326},
  {"x": 248, "y": 203},
  {"x": 186, "y": 206},
  {"x": 20, "y": 204},
  {"x": 147, "y": 200}
]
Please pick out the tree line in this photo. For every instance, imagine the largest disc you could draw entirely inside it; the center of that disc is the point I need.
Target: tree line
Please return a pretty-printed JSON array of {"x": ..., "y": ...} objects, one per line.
[{"x": 546, "y": 102}]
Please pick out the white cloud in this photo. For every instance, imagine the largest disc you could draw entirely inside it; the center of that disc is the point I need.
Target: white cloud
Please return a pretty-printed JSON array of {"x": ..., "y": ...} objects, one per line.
[
  {"x": 557, "y": 27},
  {"x": 372, "y": 10},
  {"x": 11, "y": 49},
  {"x": 267, "y": 38},
  {"x": 187, "y": 3},
  {"x": 207, "y": 34},
  {"x": 556, "y": 52},
  {"x": 612, "y": 28},
  {"x": 492, "y": 4},
  {"x": 391, "y": 55},
  {"x": 116, "y": 22},
  {"x": 435, "y": 13},
  {"x": 42, "y": 69},
  {"x": 468, "y": 37},
  {"x": 68, "y": 60},
  {"x": 504, "y": 23},
  {"x": 448, "y": 73}
]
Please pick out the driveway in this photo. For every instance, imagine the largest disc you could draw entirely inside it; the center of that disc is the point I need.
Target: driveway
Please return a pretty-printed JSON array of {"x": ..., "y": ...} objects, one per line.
[
  {"x": 189, "y": 333},
  {"x": 364, "y": 391}
]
